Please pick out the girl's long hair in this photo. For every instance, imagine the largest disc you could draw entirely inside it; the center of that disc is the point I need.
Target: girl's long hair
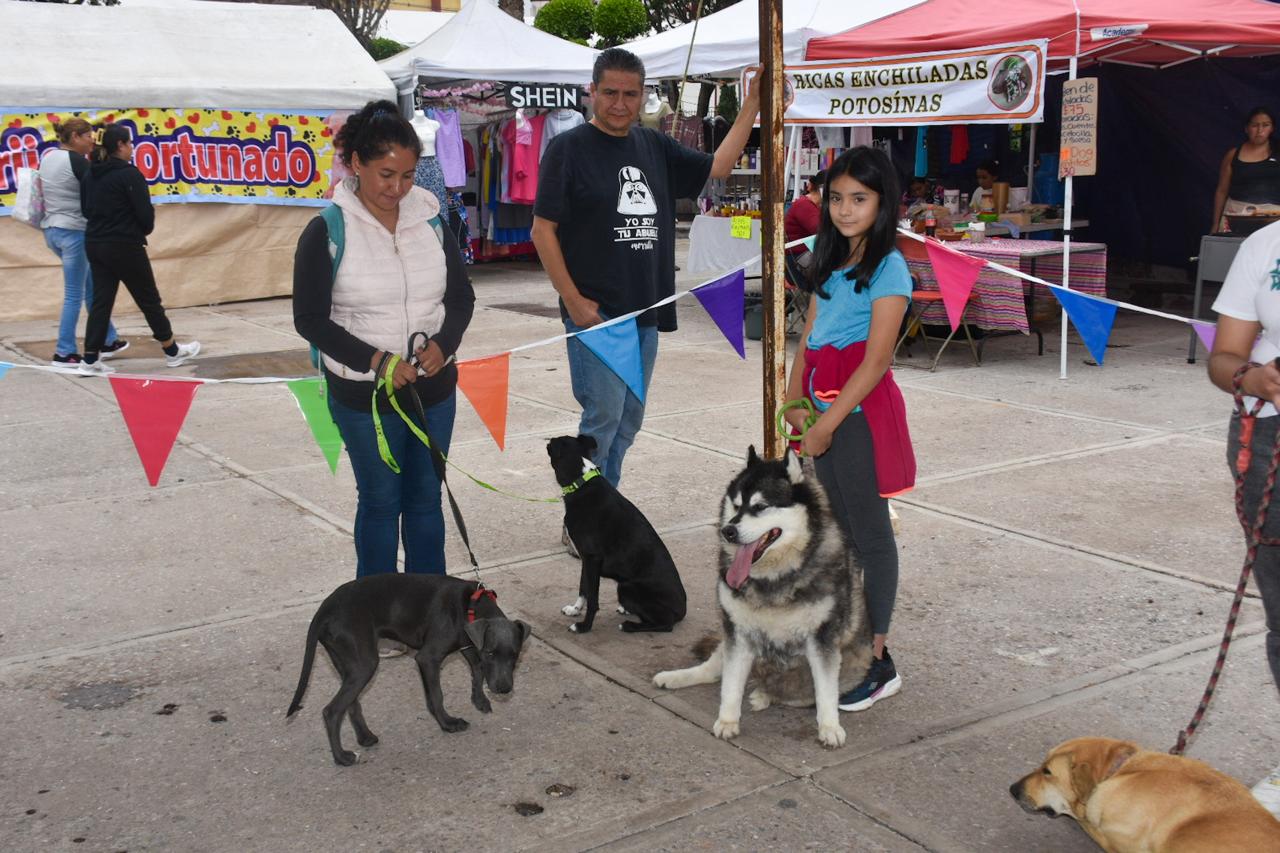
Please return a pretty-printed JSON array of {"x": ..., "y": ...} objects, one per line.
[{"x": 871, "y": 168}]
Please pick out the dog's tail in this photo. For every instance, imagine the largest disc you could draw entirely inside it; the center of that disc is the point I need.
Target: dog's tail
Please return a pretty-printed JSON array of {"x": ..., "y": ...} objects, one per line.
[
  {"x": 313, "y": 637},
  {"x": 705, "y": 647}
]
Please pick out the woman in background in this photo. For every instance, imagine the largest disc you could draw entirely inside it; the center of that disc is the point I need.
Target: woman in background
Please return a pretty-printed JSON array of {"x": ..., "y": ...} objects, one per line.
[{"x": 1249, "y": 178}]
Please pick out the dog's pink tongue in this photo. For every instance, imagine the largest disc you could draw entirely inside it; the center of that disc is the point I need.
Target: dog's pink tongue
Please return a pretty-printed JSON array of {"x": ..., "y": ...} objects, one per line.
[{"x": 741, "y": 567}]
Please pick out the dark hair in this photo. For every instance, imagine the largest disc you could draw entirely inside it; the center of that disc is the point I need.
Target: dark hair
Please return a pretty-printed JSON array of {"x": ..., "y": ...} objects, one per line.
[
  {"x": 373, "y": 130},
  {"x": 991, "y": 167},
  {"x": 871, "y": 168},
  {"x": 113, "y": 136},
  {"x": 66, "y": 129},
  {"x": 616, "y": 59},
  {"x": 1263, "y": 111},
  {"x": 816, "y": 180}
]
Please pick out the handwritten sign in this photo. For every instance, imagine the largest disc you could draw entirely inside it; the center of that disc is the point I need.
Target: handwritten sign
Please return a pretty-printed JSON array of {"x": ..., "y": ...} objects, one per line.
[
  {"x": 740, "y": 227},
  {"x": 1079, "y": 155}
]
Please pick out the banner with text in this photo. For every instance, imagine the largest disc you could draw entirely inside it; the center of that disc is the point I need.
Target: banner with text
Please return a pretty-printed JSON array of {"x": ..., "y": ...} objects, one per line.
[
  {"x": 999, "y": 84},
  {"x": 195, "y": 154}
]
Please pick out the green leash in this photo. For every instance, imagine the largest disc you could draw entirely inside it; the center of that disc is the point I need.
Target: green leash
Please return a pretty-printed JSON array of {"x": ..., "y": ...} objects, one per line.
[
  {"x": 384, "y": 450},
  {"x": 784, "y": 428}
]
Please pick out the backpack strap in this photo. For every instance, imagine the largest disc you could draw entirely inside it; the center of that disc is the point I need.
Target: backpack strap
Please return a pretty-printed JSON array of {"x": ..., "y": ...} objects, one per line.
[{"x": 337, "y": 228}]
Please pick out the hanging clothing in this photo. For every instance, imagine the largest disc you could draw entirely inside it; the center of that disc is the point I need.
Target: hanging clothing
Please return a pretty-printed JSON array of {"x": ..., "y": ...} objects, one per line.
[
  {"x": 922, "y": 153},
  {"x": 830, "y": 137},
  {"x": 861, "y": 135},
  {"x": 959, "y": 145},
  {"x": 430, "y": 177},
  {"x": 524, "y": 139},
  {"x": 556, "y": 123},
  {"x": 449, "y": 147}
]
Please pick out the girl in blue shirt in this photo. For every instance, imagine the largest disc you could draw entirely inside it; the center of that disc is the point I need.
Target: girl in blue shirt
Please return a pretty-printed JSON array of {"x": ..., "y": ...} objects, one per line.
[{"x": 863, "y": 288}]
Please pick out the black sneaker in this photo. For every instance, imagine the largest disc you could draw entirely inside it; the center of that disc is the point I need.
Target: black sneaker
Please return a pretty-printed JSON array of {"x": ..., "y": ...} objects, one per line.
[
  {"x": 882, "y": 681},
  {"x": 116, "y": 347},
  {"x": 72, "y": 360}
]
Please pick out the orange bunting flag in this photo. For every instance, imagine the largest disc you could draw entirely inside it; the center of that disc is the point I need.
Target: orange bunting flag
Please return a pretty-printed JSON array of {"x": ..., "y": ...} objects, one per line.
[
  {"x": 154, "y": 411},
  {"x": 484, "y": 382},
  {"x": 956, "y": 273}
]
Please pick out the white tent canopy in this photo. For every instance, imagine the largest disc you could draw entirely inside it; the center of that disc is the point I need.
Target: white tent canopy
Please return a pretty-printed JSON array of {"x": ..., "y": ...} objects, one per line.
[
  {"x": 484, "y": 43},
  {"x": 204, "y": 55},
  {"x": 729, "y": 40}
]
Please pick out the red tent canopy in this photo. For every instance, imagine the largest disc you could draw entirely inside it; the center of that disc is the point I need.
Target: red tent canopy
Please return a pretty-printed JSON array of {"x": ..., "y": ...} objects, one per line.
[{"x": 1172, "y": 31}]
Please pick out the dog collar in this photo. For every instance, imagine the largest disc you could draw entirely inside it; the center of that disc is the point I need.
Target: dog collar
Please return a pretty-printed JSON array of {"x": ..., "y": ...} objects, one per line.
[
  {"x": 482, "y": 591},
  {"x": 591, "y": 474}
]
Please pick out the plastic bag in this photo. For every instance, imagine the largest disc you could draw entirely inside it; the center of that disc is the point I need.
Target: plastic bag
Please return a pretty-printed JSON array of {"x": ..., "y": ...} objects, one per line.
[{"x": 28, "y": 207}]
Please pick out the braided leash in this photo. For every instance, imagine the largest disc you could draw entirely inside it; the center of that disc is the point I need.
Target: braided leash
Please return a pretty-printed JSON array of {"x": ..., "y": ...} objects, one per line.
[{"x": 1253, "y": 536}]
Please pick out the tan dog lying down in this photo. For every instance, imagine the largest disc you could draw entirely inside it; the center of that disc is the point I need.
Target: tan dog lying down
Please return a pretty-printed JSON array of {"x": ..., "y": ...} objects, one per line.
[{"x": 1130, "y": 799}]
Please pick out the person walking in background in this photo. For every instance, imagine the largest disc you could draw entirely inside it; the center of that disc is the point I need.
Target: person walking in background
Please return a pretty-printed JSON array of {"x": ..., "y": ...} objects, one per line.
[
  {"x": 860, "y": 443},
  {"x": 119, "y": 216},
  {"x": 398, "y": 275},
  {"x": 61, "y": 172}
]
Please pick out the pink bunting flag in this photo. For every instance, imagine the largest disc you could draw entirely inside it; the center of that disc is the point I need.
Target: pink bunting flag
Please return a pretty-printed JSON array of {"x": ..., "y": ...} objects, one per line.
[
  {"x": 956, "y": 273},
  {"x": 1206, "y": 332},
  {"x": 154, "y": 411}
]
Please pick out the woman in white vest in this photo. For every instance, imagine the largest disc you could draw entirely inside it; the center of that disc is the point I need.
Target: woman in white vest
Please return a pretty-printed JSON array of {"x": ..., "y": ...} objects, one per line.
[
  {"x": 61, "y": 171},
  {"x": 394, "y": 274}
]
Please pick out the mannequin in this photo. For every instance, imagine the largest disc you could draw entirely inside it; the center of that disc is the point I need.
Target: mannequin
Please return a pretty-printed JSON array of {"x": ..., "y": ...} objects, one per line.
[
  {"x": 429, "y": 175},
  {"x": 653, "y": 109}
]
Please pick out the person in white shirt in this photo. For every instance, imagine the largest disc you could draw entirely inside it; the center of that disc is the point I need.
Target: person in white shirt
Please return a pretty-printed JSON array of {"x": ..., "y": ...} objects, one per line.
[
  {"x": 1244, "y": 357},
  {"x": 61, "y": 171}
]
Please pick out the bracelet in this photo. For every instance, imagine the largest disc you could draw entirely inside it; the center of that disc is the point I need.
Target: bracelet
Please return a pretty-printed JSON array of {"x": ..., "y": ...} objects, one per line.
[
  {"x": 1237, "y": 378},
  {"x": 382, "y": 363}
]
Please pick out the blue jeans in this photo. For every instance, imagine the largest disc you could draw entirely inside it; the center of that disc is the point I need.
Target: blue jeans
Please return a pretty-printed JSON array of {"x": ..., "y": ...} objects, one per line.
[
  {"x": 77, "y": 285},
  {"x": 611, "y": 414},
  {"x": 384, "y": 497}
]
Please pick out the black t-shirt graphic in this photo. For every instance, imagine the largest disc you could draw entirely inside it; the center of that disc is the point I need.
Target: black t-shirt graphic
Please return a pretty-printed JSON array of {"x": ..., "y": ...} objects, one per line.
[{"x": 613, "y": 199}]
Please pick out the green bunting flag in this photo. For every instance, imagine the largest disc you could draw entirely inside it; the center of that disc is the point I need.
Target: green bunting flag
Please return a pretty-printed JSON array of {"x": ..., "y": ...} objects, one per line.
[{"x": 312, "y": 398}]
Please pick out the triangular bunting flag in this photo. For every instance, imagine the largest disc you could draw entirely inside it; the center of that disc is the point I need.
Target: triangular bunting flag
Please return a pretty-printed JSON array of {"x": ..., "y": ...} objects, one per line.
[
  {"x": 956, "y": 272},
  {"x": 810, "y": 241},
  {"x": 4, "y": 368},
  {"x": 312, "y": 397},
  {"x": 153, "y": 410},
  {"x": 484, "y": 381},
  {"x": 1206, "y": 332},
  {"x": 618, "y": 346},
  {"x": 724, "y": 300},
  {"x": 1091, "y": 317}
]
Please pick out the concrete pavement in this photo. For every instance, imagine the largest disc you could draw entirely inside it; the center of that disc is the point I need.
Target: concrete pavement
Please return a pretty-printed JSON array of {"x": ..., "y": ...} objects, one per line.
[{"x": 1067, "y": 562}]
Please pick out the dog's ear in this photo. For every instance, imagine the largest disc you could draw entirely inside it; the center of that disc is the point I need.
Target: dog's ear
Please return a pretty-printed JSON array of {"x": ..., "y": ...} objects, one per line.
[
  {"x": 752, "y": 458},
  {"x": 795, "y": 471},
  {"x": 525, "y": 630},
  {"x": 475, "y": 633},
  {"x": 587, "y": 443},
  {"x": 1084, "y": 778},
  {"x": 1121, "y": 752}
]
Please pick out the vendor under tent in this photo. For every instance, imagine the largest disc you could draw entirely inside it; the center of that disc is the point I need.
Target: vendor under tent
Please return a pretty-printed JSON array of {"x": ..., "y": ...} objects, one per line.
[
  {"x": 1147, "y": 34},
  {"x": 727, "y": 41},
  {"x": 201, "y": 74}
]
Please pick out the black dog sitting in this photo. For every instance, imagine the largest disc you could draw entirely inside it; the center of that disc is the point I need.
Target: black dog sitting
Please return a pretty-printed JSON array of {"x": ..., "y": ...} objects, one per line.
[
  {"x": 435, "y": 614},
  {"x": 615, "y": 541}
]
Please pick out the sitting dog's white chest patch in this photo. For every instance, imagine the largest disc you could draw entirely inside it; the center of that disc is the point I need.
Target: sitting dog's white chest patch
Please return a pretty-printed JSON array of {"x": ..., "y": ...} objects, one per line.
[{"x": 781, "y": 625}]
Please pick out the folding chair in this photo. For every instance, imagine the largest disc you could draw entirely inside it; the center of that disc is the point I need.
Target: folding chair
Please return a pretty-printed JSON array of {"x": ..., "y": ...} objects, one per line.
[
  {"x": 797, "y": 299},
  {"x": 920, "y": 300}
]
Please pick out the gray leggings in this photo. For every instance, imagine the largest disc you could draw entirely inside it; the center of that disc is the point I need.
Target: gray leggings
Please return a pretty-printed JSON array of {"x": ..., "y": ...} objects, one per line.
[
  {"x": 848, "y": 472},
  {"x": 1266, "y": 567}
]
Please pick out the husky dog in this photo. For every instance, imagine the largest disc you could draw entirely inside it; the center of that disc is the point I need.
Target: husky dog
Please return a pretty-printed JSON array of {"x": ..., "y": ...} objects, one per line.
[{"x": 789, "y": 593}]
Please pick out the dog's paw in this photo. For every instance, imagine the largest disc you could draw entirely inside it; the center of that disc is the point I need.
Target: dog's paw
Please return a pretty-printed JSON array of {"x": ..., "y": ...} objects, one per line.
[
  {"x": 666, "y": 680},
  {"x": 456, "y": 724},
  {"x": 580, "y": 627},
  {"x": 574, "y": 609},
  {"x": 623, "y": 611},
  {"x": 831, "y": 735},
  {"x": 345, "y": 758},
  {"x": 368, "y": 740},
  {"x": 759, "y": 699},
  {"x": 482, "y": 704},
  {"x": 725, "y": 729}
]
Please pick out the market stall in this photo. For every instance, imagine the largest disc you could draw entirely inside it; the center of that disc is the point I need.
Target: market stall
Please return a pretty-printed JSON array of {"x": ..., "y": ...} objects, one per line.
[{"x": 237, "y": 154}]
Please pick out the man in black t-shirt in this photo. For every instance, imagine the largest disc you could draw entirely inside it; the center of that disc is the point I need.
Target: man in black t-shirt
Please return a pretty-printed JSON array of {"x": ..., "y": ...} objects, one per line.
[{"x": 604, "y": 226}]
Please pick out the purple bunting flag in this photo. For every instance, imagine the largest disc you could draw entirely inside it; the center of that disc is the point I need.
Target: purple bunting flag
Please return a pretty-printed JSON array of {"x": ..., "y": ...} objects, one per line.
[
  {"x": 723, "y": 300},
  {"x": 1206, "y": 332}
]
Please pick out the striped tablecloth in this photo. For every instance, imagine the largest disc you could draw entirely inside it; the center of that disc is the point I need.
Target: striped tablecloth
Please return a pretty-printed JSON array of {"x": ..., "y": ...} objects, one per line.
[{"x": 1000, "y": 301}]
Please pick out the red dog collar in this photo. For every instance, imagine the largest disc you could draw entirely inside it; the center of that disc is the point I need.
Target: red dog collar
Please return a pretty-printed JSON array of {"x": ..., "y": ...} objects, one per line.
[{"x": 481, "y": 592}]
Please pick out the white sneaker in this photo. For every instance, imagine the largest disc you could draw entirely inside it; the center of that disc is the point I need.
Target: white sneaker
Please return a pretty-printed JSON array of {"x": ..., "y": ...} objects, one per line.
[
  {"x": 185, "y": 353},
  {"x": 98, "y": 368}
]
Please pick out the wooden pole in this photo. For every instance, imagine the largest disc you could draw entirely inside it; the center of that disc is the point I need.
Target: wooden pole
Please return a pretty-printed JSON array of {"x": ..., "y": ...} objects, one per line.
[{"x": 772, "y": 238}]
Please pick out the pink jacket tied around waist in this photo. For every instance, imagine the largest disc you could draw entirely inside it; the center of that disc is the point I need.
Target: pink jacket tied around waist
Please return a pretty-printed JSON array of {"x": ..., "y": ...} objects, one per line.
[{"x": 826, "y": 370}]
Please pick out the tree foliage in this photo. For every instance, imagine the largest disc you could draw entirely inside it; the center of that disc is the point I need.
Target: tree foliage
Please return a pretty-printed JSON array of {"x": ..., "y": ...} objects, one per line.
[
  {"x": 381, "y": 48},
  {"x": 514, "y": 8},
  {"x": 620, "y": 21},
  {"x": 569, "y": 19},
  {"x": 665, "y": 14}
]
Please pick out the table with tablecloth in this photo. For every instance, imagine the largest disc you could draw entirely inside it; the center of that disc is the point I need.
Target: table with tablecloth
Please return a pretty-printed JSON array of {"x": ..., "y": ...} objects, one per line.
[
  {"x": 1001, "y": 301},
  {"x": 713, "y": 249}
]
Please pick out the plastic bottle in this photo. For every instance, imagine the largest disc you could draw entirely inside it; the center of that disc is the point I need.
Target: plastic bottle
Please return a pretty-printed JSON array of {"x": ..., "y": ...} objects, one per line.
[{"x": 930, "y": 223}]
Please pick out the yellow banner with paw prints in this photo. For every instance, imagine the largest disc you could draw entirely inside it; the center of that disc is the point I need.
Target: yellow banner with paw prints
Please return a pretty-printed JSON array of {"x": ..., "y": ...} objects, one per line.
[{"x": 196, "y": 155}]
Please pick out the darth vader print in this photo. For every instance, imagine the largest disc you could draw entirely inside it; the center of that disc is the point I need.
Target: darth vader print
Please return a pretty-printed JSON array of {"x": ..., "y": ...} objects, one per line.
[{"x": 634, "y": 196}]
